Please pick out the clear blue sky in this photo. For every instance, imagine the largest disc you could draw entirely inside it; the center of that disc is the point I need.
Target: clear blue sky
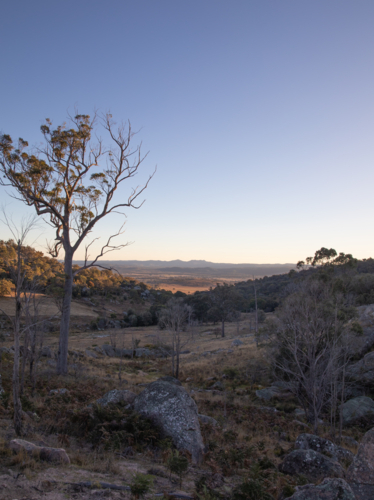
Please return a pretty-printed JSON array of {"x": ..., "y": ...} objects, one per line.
[{"x": 258, "y": 114}]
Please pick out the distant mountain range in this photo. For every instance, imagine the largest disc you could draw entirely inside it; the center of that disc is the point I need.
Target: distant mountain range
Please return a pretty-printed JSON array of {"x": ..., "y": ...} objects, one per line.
[
  {"x": 190, "y": 264},
  {"x": 201, "y": 267}
]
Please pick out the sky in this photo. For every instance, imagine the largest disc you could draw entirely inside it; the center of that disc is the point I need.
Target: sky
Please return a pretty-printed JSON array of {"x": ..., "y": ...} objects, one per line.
[{"x": 259, "y": 115}]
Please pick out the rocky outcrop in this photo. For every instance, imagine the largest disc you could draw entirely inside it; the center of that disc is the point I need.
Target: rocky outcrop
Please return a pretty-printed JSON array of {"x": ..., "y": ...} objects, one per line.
[
  {"x": 316, "y": 443},
  {"x": 360, "y": 474},
  {"x": 57, "y": 455},
  {"x": 357, "y": 409},
  {"x": 312, "y": 464},
  {"x": 116, "y": 397},
  {"x": 363, "y": 370},
  {"x": 329, "y": 489},
  {"x": 167, "y": 404}
]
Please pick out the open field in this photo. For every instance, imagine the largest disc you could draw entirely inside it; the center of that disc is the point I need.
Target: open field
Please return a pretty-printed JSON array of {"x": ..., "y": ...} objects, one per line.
[
  {"x": 189, "y": 277},
  {"x": 48, "y": 308}
]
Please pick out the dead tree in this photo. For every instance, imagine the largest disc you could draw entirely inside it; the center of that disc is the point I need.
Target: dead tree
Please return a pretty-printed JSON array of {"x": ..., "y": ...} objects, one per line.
[
  {"x": 308, "y": 347},
  {"x": 18, "y": 274},
  {"x": 176, "y": 318}
]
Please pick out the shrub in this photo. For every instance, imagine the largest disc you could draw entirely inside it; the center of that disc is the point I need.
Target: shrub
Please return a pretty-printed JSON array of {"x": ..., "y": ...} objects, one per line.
[
  {"x": 251, "y": 490},
  {"x": 140, "y": 485},
  {"x": 177, "y": 464}
]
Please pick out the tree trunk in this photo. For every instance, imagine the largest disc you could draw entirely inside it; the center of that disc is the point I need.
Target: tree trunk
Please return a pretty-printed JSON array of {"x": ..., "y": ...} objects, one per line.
[
  {"x": 223, "y": 328},
  {"x": 17, "y": 320},
  {"x": 62, "y": 360}
]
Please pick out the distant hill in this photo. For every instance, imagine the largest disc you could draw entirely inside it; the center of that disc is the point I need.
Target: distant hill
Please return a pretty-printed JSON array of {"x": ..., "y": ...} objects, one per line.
[
  {"x": 197, "y": 264},
  {"x": 196, "y": 268}
]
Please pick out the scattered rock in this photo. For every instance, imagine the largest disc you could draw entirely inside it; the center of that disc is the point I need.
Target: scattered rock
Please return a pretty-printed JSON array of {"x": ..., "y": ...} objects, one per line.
[
  {"x": 236, "y": 343},
  {"x": 108, "y": 350},
  {"x": 316, "y": 443},
  {"x": 116, "y": 397},
  {"x": 59, "y": 392},
  {"x": 268, "y": 393},
  {"x": 360, "y": 473},
  {"x": 218, "y": 386},
  {"x": 174, "y": 412},
  {"x": 46, "y": 352},
  {"x": 363, "y": 370},
  {"x": 356, "y": 409},
  {"x": 301, "y": 424},
  {"x": 349, "y": 441},
  {"x": 329, "y": 489},
  {"x": 142, "y": 352},
  {"x": 58, "y": 455},
  {"x": 312, "y": 464},
  {"x": 207, "y": 420},
  {"x": 91, "y": 354}
]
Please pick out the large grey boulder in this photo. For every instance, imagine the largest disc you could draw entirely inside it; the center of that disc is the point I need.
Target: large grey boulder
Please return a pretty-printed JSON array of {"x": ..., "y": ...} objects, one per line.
[
  {"x": 312, "y": 464},
  {"x": 108, "y": 350},
  {"x": 363, "y": 370},
  {"x": 356, "y": 409},
  {"x": 360, "y": 474},
  {"x": 116, "y": 397},
  {"x": 329, "y": 489},
  {"x": 167, "y": 404},
  {"x": 322, "y": 445},
  {"x": 57, "y": 455}
]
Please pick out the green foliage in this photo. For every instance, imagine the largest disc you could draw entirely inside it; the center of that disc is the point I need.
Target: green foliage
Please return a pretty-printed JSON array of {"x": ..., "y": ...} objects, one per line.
[
  {"x": 141, "y": 485},
  {"x": 177, "y": 464},
  {"x": 356, "y": 328},
  {"x": 288, "y": 490},
  {"x": 112, "y": 427},
  {"x": 251, "y": 490},
  {"x": 231, "y": 373}
]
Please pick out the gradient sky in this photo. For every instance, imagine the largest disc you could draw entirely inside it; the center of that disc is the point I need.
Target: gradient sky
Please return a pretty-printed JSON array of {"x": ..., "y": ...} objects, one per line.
[{"x": 258, "y": 114}]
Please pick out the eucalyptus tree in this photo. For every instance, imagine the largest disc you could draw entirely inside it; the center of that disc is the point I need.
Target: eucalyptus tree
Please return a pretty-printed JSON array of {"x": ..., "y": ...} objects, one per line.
[{"x": 72, "y": 179}]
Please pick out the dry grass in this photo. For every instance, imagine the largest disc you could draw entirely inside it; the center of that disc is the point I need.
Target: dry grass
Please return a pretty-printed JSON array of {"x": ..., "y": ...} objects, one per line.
[{"x": 250, "y": 437}]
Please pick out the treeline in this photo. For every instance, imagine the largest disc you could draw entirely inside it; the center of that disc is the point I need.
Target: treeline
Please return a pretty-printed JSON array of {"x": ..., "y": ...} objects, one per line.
[
  {"x": 353, "y": 277},
  {"x": 222, "y": 303},
  {"x": 47, "y": 274}
]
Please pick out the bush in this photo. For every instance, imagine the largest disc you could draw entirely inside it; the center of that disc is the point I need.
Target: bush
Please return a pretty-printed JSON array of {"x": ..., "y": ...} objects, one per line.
[
  {"x": 177, "y": 464},
  {"x": 251, "y": 490},
  {"x": 140, "y": 485}
]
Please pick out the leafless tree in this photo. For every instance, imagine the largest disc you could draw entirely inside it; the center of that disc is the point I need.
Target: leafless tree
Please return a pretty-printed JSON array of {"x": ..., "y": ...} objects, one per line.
[
  {"x": 18, "y": 273},
  {"x": 72, "y": 180},
  {"x": 309, "y": 347},
  {"x": 176, "y": 319}
]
